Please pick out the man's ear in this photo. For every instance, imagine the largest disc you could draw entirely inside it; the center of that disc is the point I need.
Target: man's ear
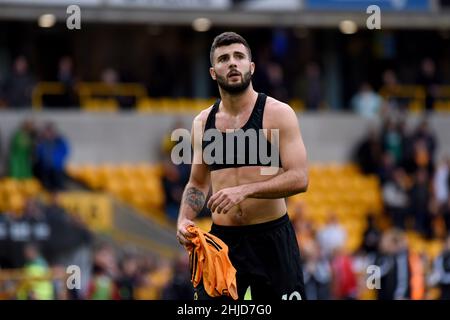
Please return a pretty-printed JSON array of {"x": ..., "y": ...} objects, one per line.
[
  {"x": 252, "y": 67},
  {"x": 212, "y": 72}
]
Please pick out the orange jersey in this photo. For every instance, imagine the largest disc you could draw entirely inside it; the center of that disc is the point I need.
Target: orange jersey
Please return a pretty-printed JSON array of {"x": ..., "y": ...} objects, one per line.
[{"x": 208, "y": 260}]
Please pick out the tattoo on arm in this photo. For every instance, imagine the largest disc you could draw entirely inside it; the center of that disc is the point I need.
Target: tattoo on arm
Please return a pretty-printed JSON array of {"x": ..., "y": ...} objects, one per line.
[{"x": 195, "y": 199}]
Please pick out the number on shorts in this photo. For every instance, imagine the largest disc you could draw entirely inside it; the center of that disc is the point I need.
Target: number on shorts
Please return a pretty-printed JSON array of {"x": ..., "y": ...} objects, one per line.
[{"x": 293, "y": 296}]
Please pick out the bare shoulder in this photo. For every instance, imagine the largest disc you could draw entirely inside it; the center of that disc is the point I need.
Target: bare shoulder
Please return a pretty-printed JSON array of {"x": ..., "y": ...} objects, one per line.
[
  {"x": 203, "y": 116},
  {"x": 277, "y": 113}
]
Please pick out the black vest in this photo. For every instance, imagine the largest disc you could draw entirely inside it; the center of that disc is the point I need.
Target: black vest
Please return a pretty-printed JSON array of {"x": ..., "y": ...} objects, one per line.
[{"x": 251, "y": 148}]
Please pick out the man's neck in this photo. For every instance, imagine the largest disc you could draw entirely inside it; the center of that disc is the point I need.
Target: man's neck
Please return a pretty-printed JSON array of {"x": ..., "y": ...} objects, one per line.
[{"x": 237, "y": 103}]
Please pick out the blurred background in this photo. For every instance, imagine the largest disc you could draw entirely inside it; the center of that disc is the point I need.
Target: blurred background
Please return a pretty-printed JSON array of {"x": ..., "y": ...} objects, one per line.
[{"x": 86, "y": 116}]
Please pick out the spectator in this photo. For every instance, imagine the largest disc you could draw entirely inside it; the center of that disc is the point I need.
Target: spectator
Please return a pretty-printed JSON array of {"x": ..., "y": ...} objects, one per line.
[
  {"x": 442, "y": 271},
  {"x": 52, "y": 152},
  {"x": 420, "y": 200},
  {"x": 368, "y": 153},
  {"x": 393, "y": 105},
  {"x": 36, "y": 266},
  {"x": 332, "y": 236},
  {"x": 401, "y": 271},
  {"x": 316, "y": 273},
  {"x": 396, "y": 198},
  {"x": 386, "y": 171},
  {"x": 371, "y": 237},
  {"x": 429, "y": 79},
  {"x": 425, "y": 144},
  {"x": 129, "y": 277},
  {"x": 102, "y": 285},
  {"x": 445, "y": 209},
  {"x": 366, "y": 102},
  {"x": 391, "y": 140},
  {"x": 344, "y": 282},
  {"x": 67, "y": 78},
  {"x": 174, "y": 179},
  {"x": 69, "y": 241},
  {"x": 180, "y": 287},
  {"x": 2, "y": 160},
  {"x": 440, "y": 185},
  {"x": 21, "y": 152},
  {"x": 19, "y": 86}
]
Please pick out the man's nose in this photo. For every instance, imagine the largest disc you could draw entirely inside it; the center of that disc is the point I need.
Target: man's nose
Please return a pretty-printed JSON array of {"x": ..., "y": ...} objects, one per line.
[{"x": 232, "y": 62}]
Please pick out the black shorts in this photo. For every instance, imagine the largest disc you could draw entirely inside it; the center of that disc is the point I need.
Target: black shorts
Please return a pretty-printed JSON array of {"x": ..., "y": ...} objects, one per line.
[{"x": 267, "y": 259}]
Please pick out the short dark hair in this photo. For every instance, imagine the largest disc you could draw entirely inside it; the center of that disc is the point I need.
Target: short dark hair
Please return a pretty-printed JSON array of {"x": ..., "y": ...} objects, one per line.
[{"x": 225, "y": 39}]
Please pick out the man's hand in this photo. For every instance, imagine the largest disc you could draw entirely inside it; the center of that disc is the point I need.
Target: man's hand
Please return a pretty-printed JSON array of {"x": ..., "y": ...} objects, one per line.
[
  {"x": 225, "y": 199},
  {"x": 183, "y": 235}
]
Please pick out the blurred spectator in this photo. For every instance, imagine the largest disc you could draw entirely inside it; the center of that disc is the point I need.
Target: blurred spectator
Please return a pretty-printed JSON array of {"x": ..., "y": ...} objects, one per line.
[
  {"x": 52, "y": 151},
  {"x": 344, "y": 282},
  {"x": 402, "y": 271},
  {"x": 316, "y": 273},
  {"x": 440, "y": 181},
  {"x": 425, "y": 144},
  {"x": 21, "y": 151},
  {"x": 386, "y": 171},
  {"x": 129, "y": 277},
  {"x": 19, "y": 85},
  {"x": 368, "y": 153},
  {"x": 36, "y": 266},
  {"x": 180, "y": 287},
  {"x": 442, "y": 271},
  {"x": 70, "y": 242},
  {"x": 445, "y": 211},
  {"x": 371, "y": 237},
  {"x": 110, "y": 76},
  {"x": 67, "y": 78},
  {"x": 366, "y": 102},
  {"x": 407, "y": 158},
  {"x": 387, "y": 264},
  {"x": 419, "y": 203},
  {"x": 396, "y": 198},
  {"x": 391, "y": 140},
  {"x": 102, "y": 285},
  {"x": 429, "y": 79},
  {"x": 2, "y": 160},
  {"x": 332, "y": 236},
  {"x": 393, "y": 105},
  {"x": 174, "y": 180},
  {"x": 175, "y": 177}
]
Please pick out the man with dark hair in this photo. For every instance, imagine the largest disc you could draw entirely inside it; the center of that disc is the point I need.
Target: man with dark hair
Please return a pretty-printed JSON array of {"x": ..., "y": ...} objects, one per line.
[{"x": 247, "y": 203}]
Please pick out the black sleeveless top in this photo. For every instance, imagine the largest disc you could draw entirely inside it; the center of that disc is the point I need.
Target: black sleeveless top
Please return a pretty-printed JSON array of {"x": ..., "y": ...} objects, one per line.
[{"x": 246, "y": 146}]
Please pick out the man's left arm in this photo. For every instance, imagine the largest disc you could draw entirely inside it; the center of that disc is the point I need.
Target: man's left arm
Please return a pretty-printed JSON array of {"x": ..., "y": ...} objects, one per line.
[{"x": 293, "y": 156}]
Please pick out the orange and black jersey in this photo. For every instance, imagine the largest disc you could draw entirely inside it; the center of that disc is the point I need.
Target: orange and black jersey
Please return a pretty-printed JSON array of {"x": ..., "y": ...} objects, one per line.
[{"x": 209, "y": 261}]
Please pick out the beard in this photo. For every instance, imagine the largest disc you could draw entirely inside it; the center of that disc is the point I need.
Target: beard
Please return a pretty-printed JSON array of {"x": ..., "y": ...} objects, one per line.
[{"x": 235, "y": 88}]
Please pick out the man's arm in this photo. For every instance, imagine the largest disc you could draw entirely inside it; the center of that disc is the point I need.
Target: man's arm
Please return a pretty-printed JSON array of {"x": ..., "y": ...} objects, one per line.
[
  {"x": 293, "y": 180},
  {"x": 196, "y": 191}
]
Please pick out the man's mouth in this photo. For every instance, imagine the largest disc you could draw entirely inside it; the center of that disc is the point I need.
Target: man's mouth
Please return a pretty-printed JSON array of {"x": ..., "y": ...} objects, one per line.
[{"x": 234, "y": 74}]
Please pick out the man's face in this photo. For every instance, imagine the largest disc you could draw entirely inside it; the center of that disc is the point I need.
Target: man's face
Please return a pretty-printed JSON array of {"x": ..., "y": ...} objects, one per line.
[{"x": 232, "y": 68}]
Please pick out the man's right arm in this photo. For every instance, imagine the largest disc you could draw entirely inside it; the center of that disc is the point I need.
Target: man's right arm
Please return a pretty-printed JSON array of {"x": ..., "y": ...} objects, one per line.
[{"x": 196, "y": 191}]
